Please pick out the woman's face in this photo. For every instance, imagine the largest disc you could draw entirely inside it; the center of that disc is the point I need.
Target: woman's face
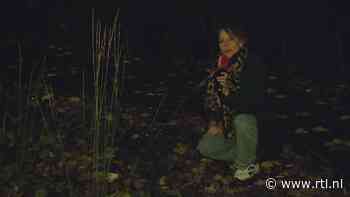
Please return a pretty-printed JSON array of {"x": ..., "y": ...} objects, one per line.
[{"x": 228, "y": 44}]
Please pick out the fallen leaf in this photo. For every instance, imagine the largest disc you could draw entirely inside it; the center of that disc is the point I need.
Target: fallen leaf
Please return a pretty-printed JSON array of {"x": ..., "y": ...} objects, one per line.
[
  {"x": 226, "y": 180},
  {"x": 61, "y": 109},
  {"x": 41, "y": 193},
  {"x": 289, "y": 165},
  {"x": 151, "y": 94},
  {"x": 195, "y": 170},
  {"x": 74, "y": 99},
  {"x": 301, "y": 131},
  {"x": 135, "y": 136},
  {"x": 67, "y": 53},
  {"x": 260, "y": 182},
  {"x": 320, "y": 129},
  {"x": 170, "y": 123},
  {"x": 333, "y": 99},
  {"x": 181, "y": 148},
  {"x": 47, "y": 97},
  {"x": 138, "y": 92},
  {"x": 272, "y": 77},
  {"x": 139, "y": 184},
  {"x": 321, "y": 102},
  {"x": 308, "y": 90},
  {"x": 335, "y": 141},
  {"x": 284, "y": 173},
  {"x": 162, "y": 180},
  {"x": 145, "y": 115},
  {"x": 163, "y": 183},
  {"x": 124, "y": 194},
  {"x": 212, "y": 188},
  {"x": 111, "y": 177},
  {"x": 282, "y": 116},
  {"x": 268, "y": 165},
  {"x": 51, "y": 74},
  {"x": 281, "y": 96},
  {"x": 303, "y": 114},
  {"x": 347, "y": 143},
  {"x": 271, "y": 90},
  {"x": 109, "y": 116},
  {"x": 218, "y": 177},
  {"x": 172, "y": 75},
  {"x": 344, "y": 117},
  {"x": 341, "y": 86},
  {"x": 137, "y": 59}
]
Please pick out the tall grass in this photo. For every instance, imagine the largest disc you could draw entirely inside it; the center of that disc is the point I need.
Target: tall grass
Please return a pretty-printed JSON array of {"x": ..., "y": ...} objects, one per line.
[
  {"x": 35, "y": 95},
  {"x": 26, "y": 88},
  {"x": 106, "y": 58},
  {"x": 19, "y": 155},
  {"x": 22, "y": 130}
]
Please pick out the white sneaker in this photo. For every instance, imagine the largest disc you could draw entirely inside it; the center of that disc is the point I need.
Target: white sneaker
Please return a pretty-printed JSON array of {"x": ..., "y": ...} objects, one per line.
[{"x": 246, "y": 173}]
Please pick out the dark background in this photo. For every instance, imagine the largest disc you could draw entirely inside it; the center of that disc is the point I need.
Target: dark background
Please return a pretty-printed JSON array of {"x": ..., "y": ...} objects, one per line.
[{"x": 309, "y": 34}]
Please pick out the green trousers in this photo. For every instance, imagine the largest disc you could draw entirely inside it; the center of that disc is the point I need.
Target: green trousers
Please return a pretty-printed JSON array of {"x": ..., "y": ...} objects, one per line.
[{"x": 241, "y": 149}]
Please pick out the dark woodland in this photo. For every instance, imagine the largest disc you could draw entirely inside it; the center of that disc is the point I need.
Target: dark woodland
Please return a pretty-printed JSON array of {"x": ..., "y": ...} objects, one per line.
[{"x": 103, "y": 98}]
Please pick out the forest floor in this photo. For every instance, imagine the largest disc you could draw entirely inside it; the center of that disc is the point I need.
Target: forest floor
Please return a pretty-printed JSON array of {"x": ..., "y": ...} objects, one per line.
[{"x": 304, "y": 137}]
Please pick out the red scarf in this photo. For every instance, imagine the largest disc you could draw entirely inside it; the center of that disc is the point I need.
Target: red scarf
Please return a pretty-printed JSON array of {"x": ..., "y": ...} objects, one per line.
[{"x": 224, "y": 62}]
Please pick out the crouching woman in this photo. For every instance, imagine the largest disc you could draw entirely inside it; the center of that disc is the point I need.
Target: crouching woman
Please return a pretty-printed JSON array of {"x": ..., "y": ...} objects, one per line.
[{"x": 234, "y": 99}]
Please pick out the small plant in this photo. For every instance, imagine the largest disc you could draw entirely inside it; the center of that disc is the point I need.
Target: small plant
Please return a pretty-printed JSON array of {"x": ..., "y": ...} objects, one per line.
[{"x": 106, "y": 59}]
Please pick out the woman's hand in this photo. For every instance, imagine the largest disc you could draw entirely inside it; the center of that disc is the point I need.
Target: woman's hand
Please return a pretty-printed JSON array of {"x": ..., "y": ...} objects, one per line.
[
  {"x": 215, "y": 131},
  {"x": 222, "y": 79},
  {"x": 215, "y": 128}
]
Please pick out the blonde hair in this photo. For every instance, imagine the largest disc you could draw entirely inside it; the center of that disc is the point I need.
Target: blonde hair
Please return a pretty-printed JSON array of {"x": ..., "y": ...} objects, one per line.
[{"x": 235, "y": 33}]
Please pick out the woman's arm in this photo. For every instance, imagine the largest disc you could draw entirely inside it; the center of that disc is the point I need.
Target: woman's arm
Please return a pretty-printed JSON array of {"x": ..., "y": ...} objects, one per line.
[{"x": 251, "y": 93}]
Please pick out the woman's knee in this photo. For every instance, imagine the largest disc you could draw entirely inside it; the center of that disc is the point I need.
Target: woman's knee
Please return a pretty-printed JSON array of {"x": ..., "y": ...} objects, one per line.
[
  {"x": 245, "y": 121},
  {"x": 204, "y": 146},
  {"x": 210, "y": 144},
  {"x": 202, "y": 149}
]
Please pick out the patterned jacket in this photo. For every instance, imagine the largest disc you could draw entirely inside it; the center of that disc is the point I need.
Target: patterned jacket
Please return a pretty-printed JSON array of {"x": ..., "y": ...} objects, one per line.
[{"x": 245, "y": 84}]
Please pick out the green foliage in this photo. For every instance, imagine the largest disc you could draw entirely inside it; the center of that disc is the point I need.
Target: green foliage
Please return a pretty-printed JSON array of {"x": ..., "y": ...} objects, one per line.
[
  {"x": 7, "y": 173},
  {"x": 47, "y": 138},
  {"x": 41, "y": 193}
]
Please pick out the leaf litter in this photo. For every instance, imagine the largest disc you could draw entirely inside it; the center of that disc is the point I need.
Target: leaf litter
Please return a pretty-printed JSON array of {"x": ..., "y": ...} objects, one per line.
[{"x": 190, "y": 174}]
